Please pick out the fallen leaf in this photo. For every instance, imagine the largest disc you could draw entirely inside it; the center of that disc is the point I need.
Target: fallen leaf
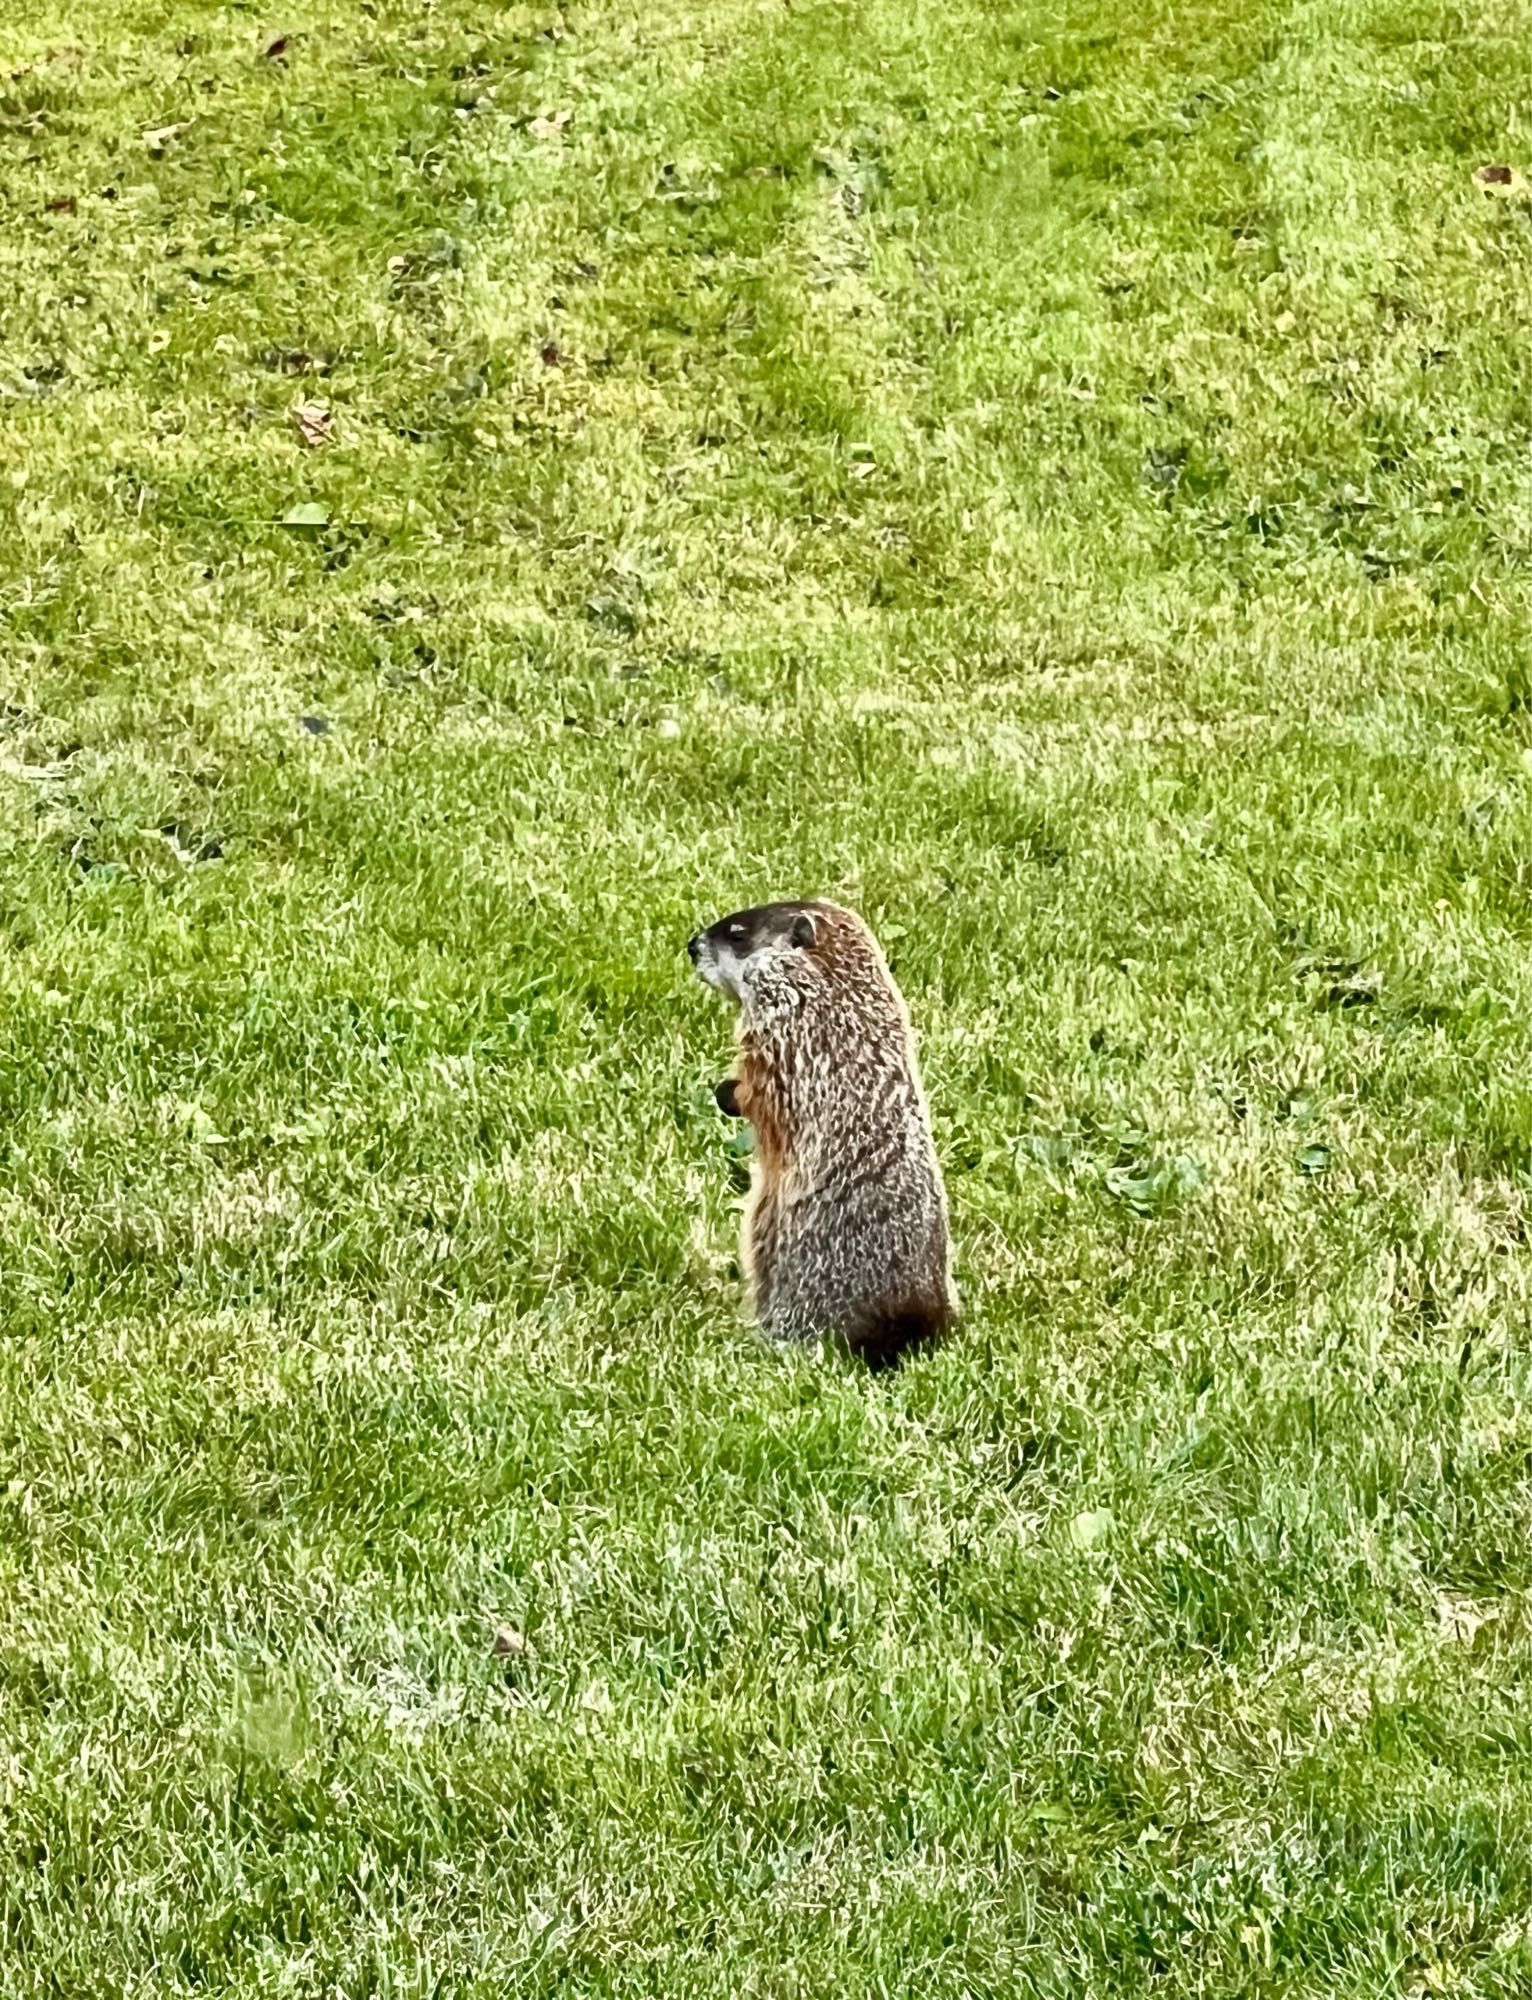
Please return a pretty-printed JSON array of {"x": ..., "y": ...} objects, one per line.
[
  {"x": 551, "y": 357},
  {"x": 61, "y": 204},
  {"x": 1150, "y": 1187},
  {"x": 1460, "y": 1618},
  {"x": 160, "y": 136},
  {"x": 313, "y": 421},
  {"x": 549, "y": 124},
  {"x": 188, "y": 845},
  {"x": 1500, "y": 180},
  {"x": 1090, "y": 1529},
  {"x": 200, "y": 1125},
  {"x": 307, "y": 514},
  {"x": 509, "y": 1644},
  {"x": 276, "y": 50}
]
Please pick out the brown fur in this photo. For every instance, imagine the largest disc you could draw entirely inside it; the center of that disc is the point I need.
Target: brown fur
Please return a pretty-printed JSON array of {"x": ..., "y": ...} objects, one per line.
[{"x": 845, "y": 1230}]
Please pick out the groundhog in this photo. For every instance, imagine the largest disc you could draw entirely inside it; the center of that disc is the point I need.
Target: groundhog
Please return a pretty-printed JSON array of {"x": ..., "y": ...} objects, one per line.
[{"x": 845, "y": 1229}]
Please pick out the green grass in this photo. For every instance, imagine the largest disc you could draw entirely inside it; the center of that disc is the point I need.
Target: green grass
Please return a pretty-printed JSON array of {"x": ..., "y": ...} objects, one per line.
[{"x": 1059, "y": 478}]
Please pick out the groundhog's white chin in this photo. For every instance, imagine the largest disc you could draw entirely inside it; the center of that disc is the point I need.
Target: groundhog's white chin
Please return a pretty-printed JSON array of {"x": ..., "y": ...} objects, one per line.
[{"x": 720, "y": 969}]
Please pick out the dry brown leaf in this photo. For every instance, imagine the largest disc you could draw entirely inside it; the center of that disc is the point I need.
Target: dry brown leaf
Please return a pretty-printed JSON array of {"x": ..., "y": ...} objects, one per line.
[
  {"x": 509, "y": 1644},
  {"x": 549, "y": 124},
  {"x": 1500, "y": 180},
  {"x": 313, "y": 421}
]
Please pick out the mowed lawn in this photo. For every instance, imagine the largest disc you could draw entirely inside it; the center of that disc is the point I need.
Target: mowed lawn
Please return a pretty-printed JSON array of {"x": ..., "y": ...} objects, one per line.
[{"x": 1056, "y": 477}]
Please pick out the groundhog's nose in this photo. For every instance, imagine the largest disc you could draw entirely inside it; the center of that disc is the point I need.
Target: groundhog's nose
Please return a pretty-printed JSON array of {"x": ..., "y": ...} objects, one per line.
[{"x": 694, "y": 947}]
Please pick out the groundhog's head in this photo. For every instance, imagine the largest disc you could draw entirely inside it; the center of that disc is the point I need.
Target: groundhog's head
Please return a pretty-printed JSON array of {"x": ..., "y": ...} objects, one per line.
[{"x": 757, "y": 954}]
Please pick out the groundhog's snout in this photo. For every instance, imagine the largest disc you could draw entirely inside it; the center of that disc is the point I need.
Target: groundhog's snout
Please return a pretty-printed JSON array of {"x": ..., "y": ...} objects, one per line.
[{"x": 694, "y": 946}]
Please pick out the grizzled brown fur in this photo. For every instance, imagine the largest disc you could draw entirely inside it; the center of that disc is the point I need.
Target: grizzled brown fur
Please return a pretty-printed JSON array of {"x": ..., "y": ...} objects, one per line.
[{"x": 845, "y": 1229}]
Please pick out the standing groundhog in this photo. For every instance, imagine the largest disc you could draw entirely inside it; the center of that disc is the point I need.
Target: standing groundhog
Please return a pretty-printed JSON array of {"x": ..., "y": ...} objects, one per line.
[{"x": 846, "y": 1226}]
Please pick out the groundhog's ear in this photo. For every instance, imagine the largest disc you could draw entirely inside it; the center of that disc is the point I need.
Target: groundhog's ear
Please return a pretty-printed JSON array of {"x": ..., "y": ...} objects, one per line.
[{"x": 802, "y": 932}]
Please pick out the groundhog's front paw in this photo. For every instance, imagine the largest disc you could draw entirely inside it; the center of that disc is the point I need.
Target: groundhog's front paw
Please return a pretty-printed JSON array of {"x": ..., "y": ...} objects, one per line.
[{"x": 727, "y": 1095}]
